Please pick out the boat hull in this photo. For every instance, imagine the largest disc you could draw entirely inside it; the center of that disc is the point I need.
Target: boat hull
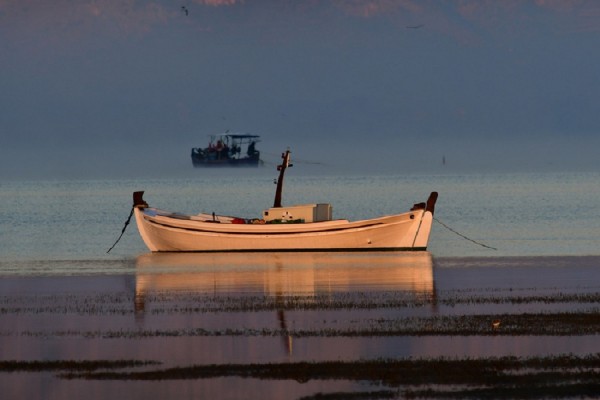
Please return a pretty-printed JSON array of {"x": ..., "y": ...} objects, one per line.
[
  {"x": 203, "y": 158},
  {"x": 163, "y": 232},
  {"x": 232, "y": 162}
]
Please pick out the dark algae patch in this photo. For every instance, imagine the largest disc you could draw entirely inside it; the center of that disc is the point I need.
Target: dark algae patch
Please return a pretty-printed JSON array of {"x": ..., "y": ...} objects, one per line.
[
  {"x": 561, "y": 391},
  {"x": 381, "y": 394},
  {"x": 540, "y": 324},
  {"x": 561, "y": 376},
  {"x": 167, "y": 303},
  {"x": 69, "y": 365}
]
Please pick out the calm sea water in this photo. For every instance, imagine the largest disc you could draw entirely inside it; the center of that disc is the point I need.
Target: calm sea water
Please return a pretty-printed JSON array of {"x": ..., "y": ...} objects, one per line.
[
  {"x": 62, "y": 297},
  {"x": 67, "y": 226}
]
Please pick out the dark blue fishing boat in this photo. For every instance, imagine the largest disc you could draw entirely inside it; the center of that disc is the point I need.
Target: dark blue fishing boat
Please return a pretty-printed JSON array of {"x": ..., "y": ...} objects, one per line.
[{"x": 228, "y": 150}]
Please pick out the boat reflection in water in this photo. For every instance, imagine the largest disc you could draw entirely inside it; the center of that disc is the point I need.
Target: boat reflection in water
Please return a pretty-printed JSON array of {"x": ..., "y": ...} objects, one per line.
[
  {"x": 278, "y": 277},
  {"x": 285, "y": 274}
]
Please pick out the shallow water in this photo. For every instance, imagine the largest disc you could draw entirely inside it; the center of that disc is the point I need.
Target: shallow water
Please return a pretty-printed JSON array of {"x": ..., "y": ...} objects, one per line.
[{"x": 190, "y": 309}]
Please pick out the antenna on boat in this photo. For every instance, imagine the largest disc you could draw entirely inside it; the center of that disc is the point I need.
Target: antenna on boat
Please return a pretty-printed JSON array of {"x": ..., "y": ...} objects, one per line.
[{"x": 281, "y": 168}]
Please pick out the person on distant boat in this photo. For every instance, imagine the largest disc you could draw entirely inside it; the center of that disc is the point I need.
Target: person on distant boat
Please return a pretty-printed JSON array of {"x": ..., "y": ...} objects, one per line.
[
  {"x": 251, "y": 149},
  {"x": 221, "y": 150},
  {"x": 225, "y": 151}
]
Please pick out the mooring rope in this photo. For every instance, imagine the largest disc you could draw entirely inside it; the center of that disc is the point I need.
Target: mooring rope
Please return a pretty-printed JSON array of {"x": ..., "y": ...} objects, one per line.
[
  {"x": 123, "y": 231},
  {"x": 463, "y": 236}
]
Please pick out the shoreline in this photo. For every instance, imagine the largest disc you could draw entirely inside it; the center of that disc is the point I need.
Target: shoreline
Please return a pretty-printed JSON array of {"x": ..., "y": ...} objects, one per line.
[{"x": 127, "y": 266}]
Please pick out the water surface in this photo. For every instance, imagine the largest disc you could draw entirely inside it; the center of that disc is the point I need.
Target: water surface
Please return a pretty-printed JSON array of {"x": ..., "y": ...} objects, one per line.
[
  {"x": 197, "y": 309},
  {"x": 62, "y": 297}
]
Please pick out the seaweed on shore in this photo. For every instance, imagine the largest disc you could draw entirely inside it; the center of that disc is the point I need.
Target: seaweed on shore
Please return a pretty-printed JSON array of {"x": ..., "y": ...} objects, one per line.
[
  {"x": 380, "y": 394},
  {"x": 550, "y": 391},
  {"x": 69, "y": 365},
  {"x": 166, "y": 303},
  {"x": 540, "y": 324},
  {"x": 506, "y": 377}
]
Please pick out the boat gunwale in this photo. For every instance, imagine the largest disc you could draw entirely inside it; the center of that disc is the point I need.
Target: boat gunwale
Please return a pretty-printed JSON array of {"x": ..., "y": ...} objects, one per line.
[
  {"x": 304, "y": 250},
  {"x": 276, "y": 229}
]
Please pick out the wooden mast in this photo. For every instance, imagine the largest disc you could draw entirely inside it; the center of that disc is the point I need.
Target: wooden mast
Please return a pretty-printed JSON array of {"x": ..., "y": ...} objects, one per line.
[{"x": 281, "y": 168}]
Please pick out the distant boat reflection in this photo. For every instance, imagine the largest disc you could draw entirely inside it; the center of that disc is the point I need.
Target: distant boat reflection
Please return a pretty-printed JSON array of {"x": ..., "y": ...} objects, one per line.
[{"x": 282, "y": 275}]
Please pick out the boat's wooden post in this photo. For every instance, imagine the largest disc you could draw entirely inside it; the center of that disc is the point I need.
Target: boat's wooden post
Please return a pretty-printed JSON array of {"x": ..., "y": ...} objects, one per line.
[
  {"x": 431, "y": 202},
  {"x": 281, "y": 168},
  {"x": 138, "y": 200}
]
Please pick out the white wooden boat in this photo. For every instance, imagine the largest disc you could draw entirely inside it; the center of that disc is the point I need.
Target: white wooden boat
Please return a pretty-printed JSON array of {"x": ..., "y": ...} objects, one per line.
[{"x": 297, "y": 228}]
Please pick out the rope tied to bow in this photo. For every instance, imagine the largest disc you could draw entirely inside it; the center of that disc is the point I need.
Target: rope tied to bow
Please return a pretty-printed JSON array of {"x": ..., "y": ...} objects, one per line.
[{"x": 123, "y": 230}]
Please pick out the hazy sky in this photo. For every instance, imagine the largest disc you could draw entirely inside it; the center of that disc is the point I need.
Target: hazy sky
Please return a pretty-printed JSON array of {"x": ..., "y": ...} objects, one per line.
[{"x": 125, "y": 88}]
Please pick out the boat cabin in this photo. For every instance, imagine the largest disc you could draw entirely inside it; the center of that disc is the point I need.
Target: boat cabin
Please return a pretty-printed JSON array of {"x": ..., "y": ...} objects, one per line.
[{"x": 301, "y": 213}]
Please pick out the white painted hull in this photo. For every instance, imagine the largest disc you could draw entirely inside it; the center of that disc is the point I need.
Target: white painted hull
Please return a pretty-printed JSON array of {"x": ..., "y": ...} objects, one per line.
[{"x": 165, "y": 232}]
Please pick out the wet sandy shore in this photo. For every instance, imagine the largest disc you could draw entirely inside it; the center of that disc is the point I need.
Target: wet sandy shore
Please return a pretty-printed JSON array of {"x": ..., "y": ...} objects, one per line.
[{"x": 285, "y": 326}]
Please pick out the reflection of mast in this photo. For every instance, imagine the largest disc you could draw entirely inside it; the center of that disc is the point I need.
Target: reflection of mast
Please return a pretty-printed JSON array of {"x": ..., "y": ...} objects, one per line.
[
  {"x": 139, "y": 305},
  {"x": 287, "y": 338},
  {"x": 139, "y": 299},
  {"x": 139, "y": 302},
  {"x": 280, "y": 300}
]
